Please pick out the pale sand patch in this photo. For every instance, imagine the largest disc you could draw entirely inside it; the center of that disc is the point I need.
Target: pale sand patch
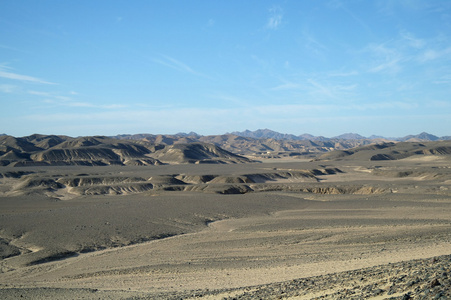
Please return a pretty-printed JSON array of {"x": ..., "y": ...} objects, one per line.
[
  {"x": 426, "y": 158},
  {"x": 251, "y": 251}
]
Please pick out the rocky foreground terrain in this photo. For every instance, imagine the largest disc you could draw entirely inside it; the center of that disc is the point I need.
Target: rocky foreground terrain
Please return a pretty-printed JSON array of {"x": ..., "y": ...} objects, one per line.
[
  {"x": 101, "y": 218},
  {"x": 416, "y": 279}
]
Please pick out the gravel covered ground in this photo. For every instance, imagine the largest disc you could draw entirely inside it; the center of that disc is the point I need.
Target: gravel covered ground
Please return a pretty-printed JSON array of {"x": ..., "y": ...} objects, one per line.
[
  {"x": 391, "y": 240},
  {"x": 416, "y": 279}
]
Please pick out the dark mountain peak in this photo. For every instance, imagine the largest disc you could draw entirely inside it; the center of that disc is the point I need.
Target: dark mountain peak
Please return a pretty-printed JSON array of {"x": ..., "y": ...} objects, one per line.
[
  {"x": 189, "y": 134},
  {"x": 350, "y": 136},
  {"x": 424, "y": 136},
  {"x": 271, "y": 134},
  {"x": 266, "y": 134},
  {"x": 428, "y": 136}
]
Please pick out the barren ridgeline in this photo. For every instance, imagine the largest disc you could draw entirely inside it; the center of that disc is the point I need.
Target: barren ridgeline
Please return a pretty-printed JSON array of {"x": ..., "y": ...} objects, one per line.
[{"x": 99, "y": 217}]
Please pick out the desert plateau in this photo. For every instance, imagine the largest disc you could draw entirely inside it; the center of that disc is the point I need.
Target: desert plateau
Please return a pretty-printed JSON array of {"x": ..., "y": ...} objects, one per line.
[{"x": 224, "y": 217}]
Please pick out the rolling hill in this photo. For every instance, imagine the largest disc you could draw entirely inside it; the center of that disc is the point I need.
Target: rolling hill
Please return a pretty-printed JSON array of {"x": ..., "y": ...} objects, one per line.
[
  {"x": 41, "y": 150},
  {"x": 391, "y": 151},
  {"x": 150, "y": 149}
]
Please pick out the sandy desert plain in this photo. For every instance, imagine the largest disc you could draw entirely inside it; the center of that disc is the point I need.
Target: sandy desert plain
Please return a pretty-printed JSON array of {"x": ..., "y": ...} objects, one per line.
[{"x": 351, "y": 225}]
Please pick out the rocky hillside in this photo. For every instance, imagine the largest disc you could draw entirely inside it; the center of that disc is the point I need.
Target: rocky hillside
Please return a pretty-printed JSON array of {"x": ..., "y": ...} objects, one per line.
[
  {"x": 391, "y": 151},
  {"x": 263, "y": 147},
  {"x": 266, "y": 143},
  {"x": 148, "y": 149},
  {"x": 43, "y": 150}
]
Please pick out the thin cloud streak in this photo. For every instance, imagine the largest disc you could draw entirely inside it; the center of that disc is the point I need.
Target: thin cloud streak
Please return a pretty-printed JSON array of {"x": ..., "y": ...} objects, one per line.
[
  {"x": 385, "y": 59},
  {"x": 7, "y": 88},
  {"x": 208, "y": 116},
  {"x": 321, "y": 89},
  {"x": 15, "y": 76},
  {"x": 433, "y": 54},
  {"x": 412, "y": 40},
  {"x": 13, "y": 49},
  {"x": 343, "y": 74},
  {"x": 67, "y": 103},
  {"x": 212, "y": 120},
  {"x": 56, "y": 100},
  {"x": 37, "y": 93},
  {"x": 175, "y": 64},
  {"x": 236, "y": 101},
  {"x": 312, "y": 44},
  {"x": 286, "y": 86}
]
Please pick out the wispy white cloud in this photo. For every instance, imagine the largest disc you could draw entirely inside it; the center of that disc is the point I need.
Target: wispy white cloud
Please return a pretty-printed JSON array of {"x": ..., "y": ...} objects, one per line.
[
  {"x": 384, "y": 58},
  {"x": 405, "y": 52},
  {"x": 391, "y": 65},
  {"x": 435, "y": 104},
  {"x": 433, "y": 54},
  {"x": 445, "y": 79},
  {"x": 56, "y": 100},
  {"x": 393, "y": 105},
  {"x": 13, "y": 49},
  {"x": 209, "y": 120},
  {"x": 286, "y": 86},
  {"x": 7, "y": 88},
  {"x": 320, "y": 88},
  {"x": 91, "y": 105},
  {"x": 38, "y": 93},
  {"x": 66, "y": 102},
  {"x": 342, "y": 74},
  {"x": 175, "y": 64},
  {"x": 20, "y": 77},
  {"x": 202, "y": 117},
  {"x": 312, "y": 44},
  {"x": 412, "y": 40},
  {"x": 336, "y": 4},
  {"x": 275, "y": 18},
  {"x": 51, "y": 97},
  {"x": 236, "y": 101}
]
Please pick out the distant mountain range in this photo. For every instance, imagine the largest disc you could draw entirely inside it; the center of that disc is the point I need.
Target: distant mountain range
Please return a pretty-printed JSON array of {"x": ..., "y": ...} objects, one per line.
[
  {"x": 271, "y": 134},
  {"x": 236, "y": 147},
  {"x": 268, "y": 143},
  {"x": 267, "y": 133}
]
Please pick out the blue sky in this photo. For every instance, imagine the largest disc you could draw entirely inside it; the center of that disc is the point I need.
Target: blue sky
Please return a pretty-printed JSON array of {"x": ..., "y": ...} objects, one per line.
[{"x": 319, "y": 67}]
